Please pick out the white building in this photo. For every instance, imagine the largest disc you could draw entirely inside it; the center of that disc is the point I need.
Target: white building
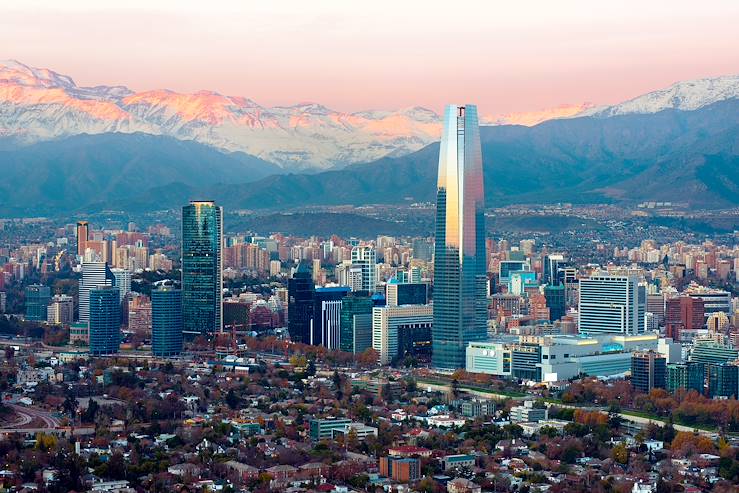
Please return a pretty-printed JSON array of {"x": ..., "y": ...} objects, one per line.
[
  {"x": 393, "y": 327},
  {"x": 611, "y": 305}
]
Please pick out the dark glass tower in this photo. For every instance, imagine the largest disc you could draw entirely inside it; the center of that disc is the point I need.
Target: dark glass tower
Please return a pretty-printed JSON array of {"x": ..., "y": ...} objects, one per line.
[
  {"x": 301, "y": 291},
  {"x": 105, "y": 320},
  {"x": 37, "y": 301},
  {"x": 356, "y": 323},
  {"x": 460, "y": 304},
  {"x": 202, "y": 266},
  {"x": 166, "y": 321}
]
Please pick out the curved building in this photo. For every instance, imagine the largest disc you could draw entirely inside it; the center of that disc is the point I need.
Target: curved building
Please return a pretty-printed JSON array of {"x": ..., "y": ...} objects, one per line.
[{"x": 460, "y": 304}]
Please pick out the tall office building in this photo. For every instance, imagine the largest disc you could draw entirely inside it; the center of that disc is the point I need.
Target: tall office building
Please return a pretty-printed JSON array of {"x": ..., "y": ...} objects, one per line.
[
  {"x": 400, "y": 330},
  {"x": 648, "y": 371},
  {"x": 122, "y": 280},
  {"x": 166, "y": 321},
  {"x": 723, "y": 380},
  {"x": 611, "y": 305},
  {"x": 687, "y": 376},
  {"x": 301, "y": 292},
  {"x": 365, "y": 257},
  {"x": 202, "y": 267},
  {"x": 405, "y": 293},
  {"x": 61, "y": 310},
  {"x": 556, "y": 301},
  {"x": 356, "y": 324},
  {"x": 83, "y": 234},
  {"x": 422, "y": 249},
  {"x": 105, "y": 320},
  {"x": 37, "y": 301},
  {"x": 326, "y": 323},
  {"x": 94, "y": 275},
  {"x": 550, "y": 269},
  {"x": 460, "y": 304}
]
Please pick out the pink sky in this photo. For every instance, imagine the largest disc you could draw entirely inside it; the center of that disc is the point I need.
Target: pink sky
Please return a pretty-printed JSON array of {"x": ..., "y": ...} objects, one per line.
[{"x": 506, "y": 56}]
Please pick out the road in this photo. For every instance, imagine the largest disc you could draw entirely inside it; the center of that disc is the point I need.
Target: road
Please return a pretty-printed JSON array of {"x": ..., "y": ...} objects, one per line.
[{"x": 27, "y": 415}]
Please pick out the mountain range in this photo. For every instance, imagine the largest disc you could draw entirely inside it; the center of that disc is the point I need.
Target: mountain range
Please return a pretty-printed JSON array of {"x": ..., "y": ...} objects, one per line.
[{"x": 69, "y": 148}]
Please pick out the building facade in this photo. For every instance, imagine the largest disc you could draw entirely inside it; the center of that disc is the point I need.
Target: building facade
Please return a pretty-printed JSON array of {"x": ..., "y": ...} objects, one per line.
[
  {"x": 166, "y": 321},
  {"x": 460, "y": 303},
  {"x": 611, "y": 305},
  {"x": 105, "y": 320},
  {"x": 202, "y": 267}
]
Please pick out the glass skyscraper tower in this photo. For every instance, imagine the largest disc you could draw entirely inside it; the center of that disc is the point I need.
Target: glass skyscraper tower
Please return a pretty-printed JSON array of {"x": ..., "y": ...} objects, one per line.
[
  {"x": 460, "y": 304},
  {"x": 202, "y": 267}
]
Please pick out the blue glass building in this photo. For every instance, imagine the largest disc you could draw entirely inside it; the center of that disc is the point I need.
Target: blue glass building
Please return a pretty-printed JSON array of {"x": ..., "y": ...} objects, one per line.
[
  {"x": 166, "y": 321},
  {"x": 202, "y": 266},
  {"x": 460, "y": 304},
  {"x": 105, "y": 320},
  {"x": 37, "y": 301}
]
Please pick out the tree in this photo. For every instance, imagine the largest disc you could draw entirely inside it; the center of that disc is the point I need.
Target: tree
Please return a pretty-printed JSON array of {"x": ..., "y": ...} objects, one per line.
[
  {"x": 620, "y": 453},
  {"x": 70, "y": 404},
  {"x": 232, "y": 399}
]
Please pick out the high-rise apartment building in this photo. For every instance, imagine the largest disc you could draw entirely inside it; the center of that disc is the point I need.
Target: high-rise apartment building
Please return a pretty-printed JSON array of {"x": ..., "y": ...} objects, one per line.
[
  {"x": 460, "y": 304},
  {"x": 94, "y": 275},
  {"x": 611, "y": 305},
  {"x": 37, "y": 301},
  {"x": 122, "y": 280},
  {"x": 166, "y": 321},
  {"x": 60, "y": 310},
  {"x": 683, "y": 313},
  {"x": 202, "y": 267},
  {"x": 365, "y": 258},
  {"x": 105, "y": 320}
]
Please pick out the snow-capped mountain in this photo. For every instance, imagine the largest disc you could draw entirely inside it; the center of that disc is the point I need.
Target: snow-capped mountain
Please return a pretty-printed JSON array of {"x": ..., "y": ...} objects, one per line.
[
  {"x": 687, "y": 96},
  {"x": 39, "y": 104}
]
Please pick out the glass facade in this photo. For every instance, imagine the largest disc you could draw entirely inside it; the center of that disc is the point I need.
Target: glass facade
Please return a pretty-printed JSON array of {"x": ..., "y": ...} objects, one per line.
[
  {"x": 166, "y": 321},
  {"x": 460, "y": 304},
  {"x": 301, "y": 291},
  {"x": 356, "y": 324},
  {"x": 202, "y": 266},
  {"x": 37, "y": 301},
  {"x": 105, "y": 320}
]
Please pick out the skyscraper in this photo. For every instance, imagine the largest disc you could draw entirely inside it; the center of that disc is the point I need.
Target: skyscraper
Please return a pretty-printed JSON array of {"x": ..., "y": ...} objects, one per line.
[
  {"x": 83, "y": 234},
  {"x": 105, "y": 320},
  {"x": 356, "y": 323},
  {"x": 202, "y": 267},
  {"x": 122, "y": 280},
  {"x": 166, "y": 321},
  {"x": 94, "y": 275},
  {"x": 301, "y": 293},
  {"x": 365, "y": 258},
  {"x": 37, "y": 301},
  {"x": 611, "y": 305},
  {"x": 460, "y": 307}
]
